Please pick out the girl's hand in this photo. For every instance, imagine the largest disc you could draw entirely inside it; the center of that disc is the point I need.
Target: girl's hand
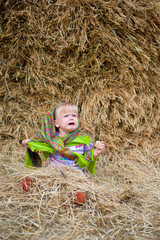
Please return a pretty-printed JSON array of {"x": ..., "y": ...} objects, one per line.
[
  {"x": 99, "y": 148},
  {"x": 25, "y": 142}
]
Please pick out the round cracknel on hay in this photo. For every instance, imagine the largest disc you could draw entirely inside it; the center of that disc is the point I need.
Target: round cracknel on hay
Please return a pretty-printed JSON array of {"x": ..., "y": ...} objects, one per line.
[
  {"x": 26, "y": 184},
  {"x": 79, "y": 198}
]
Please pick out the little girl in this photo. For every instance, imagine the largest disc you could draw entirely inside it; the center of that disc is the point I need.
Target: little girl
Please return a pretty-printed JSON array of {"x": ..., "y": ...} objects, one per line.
[{"x": 62, "y": 142}]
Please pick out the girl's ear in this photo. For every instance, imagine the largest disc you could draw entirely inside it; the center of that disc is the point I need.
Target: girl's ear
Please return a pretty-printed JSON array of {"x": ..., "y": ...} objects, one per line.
[{"x": 56, "y": 123}]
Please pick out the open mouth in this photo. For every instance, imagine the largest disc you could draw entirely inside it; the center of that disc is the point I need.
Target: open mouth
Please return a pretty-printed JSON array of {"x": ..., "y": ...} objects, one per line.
[{"x": 71, "y": 124}]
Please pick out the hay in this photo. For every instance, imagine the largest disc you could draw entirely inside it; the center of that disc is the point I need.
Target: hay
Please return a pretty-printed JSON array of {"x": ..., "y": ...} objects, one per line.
[
  {"x": 104, "y": 56},
  {"x": 104, "y": 51},
  {"x": 124, "y": 205}
]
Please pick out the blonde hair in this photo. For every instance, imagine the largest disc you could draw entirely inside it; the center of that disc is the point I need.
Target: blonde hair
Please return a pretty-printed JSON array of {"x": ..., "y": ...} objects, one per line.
[{"x": 63, "y": 106}]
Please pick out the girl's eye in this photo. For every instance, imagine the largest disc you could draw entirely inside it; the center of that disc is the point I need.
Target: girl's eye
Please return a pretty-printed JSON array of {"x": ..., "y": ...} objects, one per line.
[
  {"x": 74, "y": 115},
  {"x": 65, "y": 116}
]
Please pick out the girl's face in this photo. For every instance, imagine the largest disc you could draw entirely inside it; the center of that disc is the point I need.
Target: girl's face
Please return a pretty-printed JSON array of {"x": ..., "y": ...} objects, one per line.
[{"x": 67, "y": 121}]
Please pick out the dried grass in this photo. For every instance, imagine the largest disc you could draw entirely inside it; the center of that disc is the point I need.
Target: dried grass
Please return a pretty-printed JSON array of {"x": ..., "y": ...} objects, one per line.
[
  {"x": 104, "y": 56},
  {"x": 122, "y": 200}
]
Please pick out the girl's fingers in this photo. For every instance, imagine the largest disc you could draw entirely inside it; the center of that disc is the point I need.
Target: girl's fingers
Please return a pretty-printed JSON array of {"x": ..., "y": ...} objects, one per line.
[
  {"x": 101, "y": 149},
  {"x": 24, "y": 142},
  {"x": 102, "y": 146}
]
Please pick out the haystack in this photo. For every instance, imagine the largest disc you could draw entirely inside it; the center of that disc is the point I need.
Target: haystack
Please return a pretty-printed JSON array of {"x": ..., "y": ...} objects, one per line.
[{"x": 104, "y": 56}]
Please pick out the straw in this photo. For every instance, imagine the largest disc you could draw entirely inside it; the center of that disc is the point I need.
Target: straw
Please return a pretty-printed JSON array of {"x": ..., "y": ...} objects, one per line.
[{"x": 104, "y": 57}]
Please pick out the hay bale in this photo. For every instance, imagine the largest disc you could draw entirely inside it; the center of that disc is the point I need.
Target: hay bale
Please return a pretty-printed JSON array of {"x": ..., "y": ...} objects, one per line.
[
  {"x": 103, "y": 55},
  {"x": 104, "y": 51}
]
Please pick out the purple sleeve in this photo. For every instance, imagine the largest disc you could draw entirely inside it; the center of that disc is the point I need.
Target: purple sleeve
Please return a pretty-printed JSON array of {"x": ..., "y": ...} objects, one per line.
[{"x": 88, "y": 148}]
